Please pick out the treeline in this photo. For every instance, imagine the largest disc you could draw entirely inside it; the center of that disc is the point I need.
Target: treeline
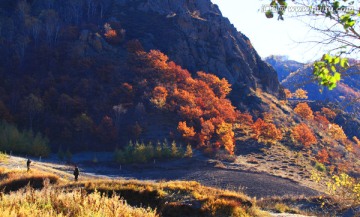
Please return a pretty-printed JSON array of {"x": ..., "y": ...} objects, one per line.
[
  {"x": 142, "y": 153},
  {"x": 24, "y": 142}
]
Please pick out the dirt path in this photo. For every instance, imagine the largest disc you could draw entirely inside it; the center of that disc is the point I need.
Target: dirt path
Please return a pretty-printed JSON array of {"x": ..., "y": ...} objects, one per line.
[{"x": 254, "y": 184}]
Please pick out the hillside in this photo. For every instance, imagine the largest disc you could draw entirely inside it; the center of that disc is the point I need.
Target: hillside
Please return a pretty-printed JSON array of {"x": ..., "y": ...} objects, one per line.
[{"x": 66, "y": 70}]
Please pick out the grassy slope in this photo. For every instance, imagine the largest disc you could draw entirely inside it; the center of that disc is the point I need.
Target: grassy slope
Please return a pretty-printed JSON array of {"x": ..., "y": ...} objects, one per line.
[{"x": 59, "y": 197}]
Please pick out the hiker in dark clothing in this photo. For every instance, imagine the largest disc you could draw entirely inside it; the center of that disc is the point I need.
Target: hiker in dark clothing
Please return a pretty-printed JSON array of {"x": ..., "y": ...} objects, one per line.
[
  {"x": 28, "y": 164},
  {"x": 76, "y": 173}
]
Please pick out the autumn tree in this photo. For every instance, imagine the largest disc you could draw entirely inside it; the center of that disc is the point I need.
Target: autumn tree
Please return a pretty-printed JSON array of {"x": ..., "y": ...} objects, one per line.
[
  {"x": 323, "y": 156},
  {"x": 244, "y": 123},
  {"x": 321, "y": 120},
  {"x": 304, "y": 111},
  {"x": 266, "y": 132},
  {"x": 328, "y": 113},
  {"x": 288, "y": 94},
  {"x": 106, "y": 131},
  {"x": 336, "y": 132},
  {"x": 159, "y": 95},
  {"x": 207, "y": 116},
  {"x": 300, "y": 94},
  {"x": 304, "y": 135}
]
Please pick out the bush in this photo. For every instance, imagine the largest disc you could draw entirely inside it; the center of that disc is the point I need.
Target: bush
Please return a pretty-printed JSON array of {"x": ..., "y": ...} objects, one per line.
[{"x": 320, "y": 167}]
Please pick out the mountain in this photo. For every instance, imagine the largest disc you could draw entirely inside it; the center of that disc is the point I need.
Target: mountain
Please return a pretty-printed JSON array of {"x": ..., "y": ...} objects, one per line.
[
  {"x": 66, "y": 73},
  {"x": 344, "y": 98},
  {"x": 283, "y": 65}
]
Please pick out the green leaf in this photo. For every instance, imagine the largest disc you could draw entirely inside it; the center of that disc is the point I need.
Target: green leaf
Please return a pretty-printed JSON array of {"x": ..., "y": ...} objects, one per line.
[
  {"x": 344, "y": 63},
  {"x": 333, "y": 69},
  {"x": 337, "y": 76}
]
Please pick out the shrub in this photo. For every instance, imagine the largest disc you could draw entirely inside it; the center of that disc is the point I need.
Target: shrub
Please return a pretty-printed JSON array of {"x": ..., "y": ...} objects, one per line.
[{"x": 320, "y": 167}]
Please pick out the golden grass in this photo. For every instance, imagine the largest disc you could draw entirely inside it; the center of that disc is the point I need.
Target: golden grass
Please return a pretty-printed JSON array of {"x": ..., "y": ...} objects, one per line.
[{"x": 54, "y": 202}]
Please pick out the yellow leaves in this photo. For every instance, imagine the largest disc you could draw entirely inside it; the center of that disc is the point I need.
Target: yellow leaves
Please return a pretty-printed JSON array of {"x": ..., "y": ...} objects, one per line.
[
  {"x": 315, "y": 176},
  {"x": 336, "y": 132}
]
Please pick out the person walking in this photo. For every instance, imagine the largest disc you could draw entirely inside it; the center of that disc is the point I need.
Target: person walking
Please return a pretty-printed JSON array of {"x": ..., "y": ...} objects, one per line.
[
  {"x": 76, "y": 173},
  {"x": 28, "y": 162}
]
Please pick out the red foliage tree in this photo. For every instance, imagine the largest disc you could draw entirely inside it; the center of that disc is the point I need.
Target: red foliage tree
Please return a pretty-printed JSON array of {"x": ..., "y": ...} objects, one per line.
[
  {"x": 323, "y": 156},
  {"x": 303, "y": 134}
]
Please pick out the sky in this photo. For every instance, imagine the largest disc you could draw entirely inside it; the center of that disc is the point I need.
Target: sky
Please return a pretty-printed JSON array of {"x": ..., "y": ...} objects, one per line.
[{"x": 271, "y": 36}]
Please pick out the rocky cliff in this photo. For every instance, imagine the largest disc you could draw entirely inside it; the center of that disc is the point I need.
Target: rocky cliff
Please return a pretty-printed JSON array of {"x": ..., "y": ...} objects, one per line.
[{"x": 196, "y": 35}]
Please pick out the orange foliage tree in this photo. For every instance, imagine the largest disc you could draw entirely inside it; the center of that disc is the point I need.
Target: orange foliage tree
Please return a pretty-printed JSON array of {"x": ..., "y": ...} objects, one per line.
[
  {"x": 266, "y": 132},
  {"x": 244, "y": 123},
  {"x": 207, "y": 116},
  {"x": 303, "y": 134},
  {"x": 304, "y": 111}
]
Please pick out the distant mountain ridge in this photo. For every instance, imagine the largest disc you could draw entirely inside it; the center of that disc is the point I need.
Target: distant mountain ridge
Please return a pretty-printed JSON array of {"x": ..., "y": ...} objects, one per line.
[{"x": 346, "y": 96}]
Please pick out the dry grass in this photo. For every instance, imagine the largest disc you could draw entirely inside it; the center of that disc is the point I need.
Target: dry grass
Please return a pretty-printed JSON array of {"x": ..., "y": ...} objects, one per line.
[
  {"x": 13, "y": 180},
  {"x": 56, "y": 197},
  {"x": 179, "y": 198},
  {"x": 3, "y": 157},
  {"x": 53, "y": 202}
]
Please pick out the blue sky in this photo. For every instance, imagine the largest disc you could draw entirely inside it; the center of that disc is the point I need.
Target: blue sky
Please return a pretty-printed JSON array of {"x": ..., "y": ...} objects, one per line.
[{"x": 270, "y": 36}]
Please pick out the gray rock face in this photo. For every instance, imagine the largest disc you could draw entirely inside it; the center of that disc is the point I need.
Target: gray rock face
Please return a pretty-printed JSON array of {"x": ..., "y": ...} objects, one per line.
[{"x": 195, "y": 35}]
